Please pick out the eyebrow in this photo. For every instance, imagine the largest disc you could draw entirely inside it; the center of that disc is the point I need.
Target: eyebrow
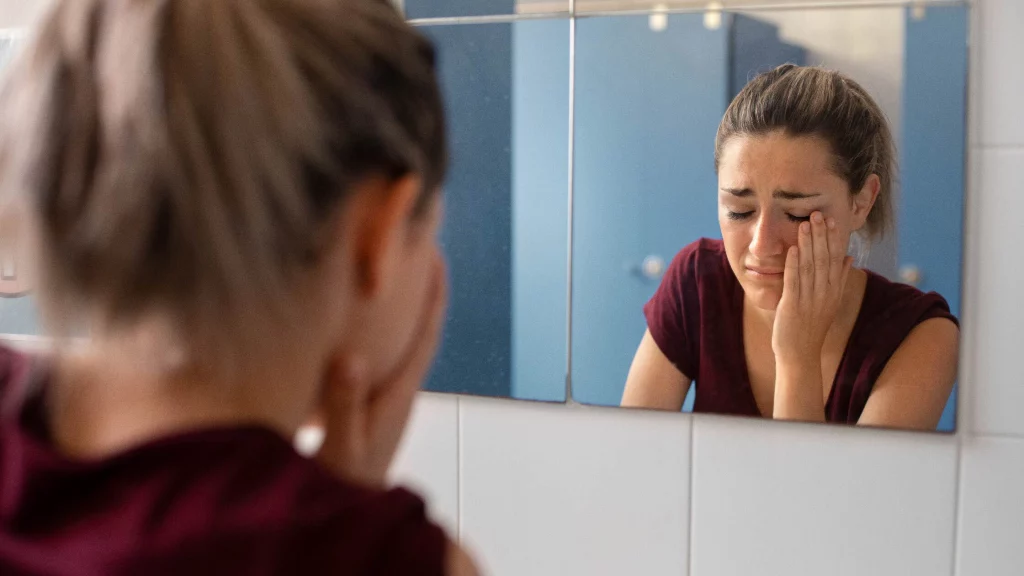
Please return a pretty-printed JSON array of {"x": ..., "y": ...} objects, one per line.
[{"x": 780, "y": 194}]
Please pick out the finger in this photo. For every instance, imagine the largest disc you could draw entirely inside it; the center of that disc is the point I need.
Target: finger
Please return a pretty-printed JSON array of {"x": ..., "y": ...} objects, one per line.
[
  {"x": 395, "y": 399},
  {"x": 819, "y": 241},
  {"x": 806, "y": 261},
  {"x": 426, "y": 341},
  {"x": 389, "y": 410},
  {"x": 791, "y": 274},
  {"x": 837, "y": 254}
]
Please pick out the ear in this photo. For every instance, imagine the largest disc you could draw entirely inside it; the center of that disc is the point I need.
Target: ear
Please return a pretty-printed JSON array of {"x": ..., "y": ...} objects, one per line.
[
  {"x": 864, "y": 200},
  {"x": 383, "y": 212}
]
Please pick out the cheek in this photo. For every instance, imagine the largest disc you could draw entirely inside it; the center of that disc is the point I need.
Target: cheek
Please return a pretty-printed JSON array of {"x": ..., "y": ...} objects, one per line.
[{"x": 790, "y": 234}]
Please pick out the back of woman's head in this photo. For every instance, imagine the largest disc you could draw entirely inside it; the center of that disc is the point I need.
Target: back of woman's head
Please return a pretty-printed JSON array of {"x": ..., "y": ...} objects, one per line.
[
  {"x": 812, "y": 101},
  {"x": 183, "y": 157}
]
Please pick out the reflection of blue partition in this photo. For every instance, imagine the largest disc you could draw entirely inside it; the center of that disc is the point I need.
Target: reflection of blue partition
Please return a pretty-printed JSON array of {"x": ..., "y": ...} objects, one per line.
[
  {"x": 932, "y": 154},
  {"x": 540, "y": 211},
  {"x": 648, "y": 105},
  {"x": 476, "y": 75},
  {"x": 755, "y": 47},
  {"x": 442, "y": 8}
]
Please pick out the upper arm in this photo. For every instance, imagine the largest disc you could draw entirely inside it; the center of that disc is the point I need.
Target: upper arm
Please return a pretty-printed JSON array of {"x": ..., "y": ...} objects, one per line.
[
  {"x": 653, "y": 381},
  {"x": 915, "y": 385},
  {"x": 458, "y": 562}
]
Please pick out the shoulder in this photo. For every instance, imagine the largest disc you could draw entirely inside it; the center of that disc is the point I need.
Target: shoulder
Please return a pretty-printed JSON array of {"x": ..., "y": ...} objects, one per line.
[
  {"x": 333, "y": 522},
  {"x": 256, "y": 493},
  {"x": 700, "y": 260},
  {"x": 901, "y": 305}
]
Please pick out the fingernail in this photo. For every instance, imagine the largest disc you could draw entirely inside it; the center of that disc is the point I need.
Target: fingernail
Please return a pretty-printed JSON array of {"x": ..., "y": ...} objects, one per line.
[
  {"x": 831, "y": 223},
  {"x": 816, "y": 217}
]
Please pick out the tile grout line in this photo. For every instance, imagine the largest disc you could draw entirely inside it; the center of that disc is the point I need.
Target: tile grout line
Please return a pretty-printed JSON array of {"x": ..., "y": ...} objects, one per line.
[
  {"x": 458, "y": 470},
  {"x": 957, "y": 508},
  {"x": 690, "y": 500}
]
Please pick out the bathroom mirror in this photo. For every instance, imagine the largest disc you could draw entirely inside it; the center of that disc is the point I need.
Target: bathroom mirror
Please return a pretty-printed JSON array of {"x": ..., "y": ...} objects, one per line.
[
  {"x": 505, "y": 234},
  {"x": 650, "y": 92}
]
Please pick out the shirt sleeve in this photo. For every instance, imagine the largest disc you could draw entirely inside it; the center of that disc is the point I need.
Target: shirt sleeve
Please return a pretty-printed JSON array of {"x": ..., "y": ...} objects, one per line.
[
  {"x": 673, "y": 314},
  {"x": 935, "y": 306}
]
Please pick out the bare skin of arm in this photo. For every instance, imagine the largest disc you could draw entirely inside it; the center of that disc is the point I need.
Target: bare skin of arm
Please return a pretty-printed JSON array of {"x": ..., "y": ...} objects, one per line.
[
  {"x": 654, "y": 382},
  {"x": 458, "y": 562},
  {"x": 916, "y": 383}
]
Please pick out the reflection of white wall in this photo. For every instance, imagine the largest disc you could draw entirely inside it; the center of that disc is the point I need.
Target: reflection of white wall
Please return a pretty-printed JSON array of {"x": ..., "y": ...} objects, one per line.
[
  {"x": 18, "y": 13},
  {"x": 867, "y": 45}
]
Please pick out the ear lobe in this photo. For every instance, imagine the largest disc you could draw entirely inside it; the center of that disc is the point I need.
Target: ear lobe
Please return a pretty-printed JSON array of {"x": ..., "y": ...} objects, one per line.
[
  {"x": 865, "y": 199},
  {"x": 385, "y": 210}
]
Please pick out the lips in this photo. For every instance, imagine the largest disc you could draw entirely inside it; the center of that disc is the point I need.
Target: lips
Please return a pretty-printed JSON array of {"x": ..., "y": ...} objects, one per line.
[{"x": 765, "y": 272}]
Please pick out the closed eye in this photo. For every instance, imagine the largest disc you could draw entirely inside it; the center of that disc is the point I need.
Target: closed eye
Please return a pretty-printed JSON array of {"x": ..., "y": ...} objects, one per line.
[
  {"x": 795, "y": 218},
  {"x": 739, "y": 215}
]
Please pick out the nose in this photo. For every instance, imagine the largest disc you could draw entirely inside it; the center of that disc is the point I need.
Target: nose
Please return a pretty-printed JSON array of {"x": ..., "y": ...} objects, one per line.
[{"x": 766, "y": 243}]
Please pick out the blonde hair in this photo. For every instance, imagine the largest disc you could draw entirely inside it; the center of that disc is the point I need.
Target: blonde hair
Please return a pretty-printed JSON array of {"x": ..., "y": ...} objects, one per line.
[
  {"x": 813, "y": 101},
  {"x": 183, "y": 157}
]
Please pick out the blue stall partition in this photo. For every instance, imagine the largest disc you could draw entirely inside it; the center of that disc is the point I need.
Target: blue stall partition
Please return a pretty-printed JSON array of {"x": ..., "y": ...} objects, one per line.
[{"x": 931, "y": 208}]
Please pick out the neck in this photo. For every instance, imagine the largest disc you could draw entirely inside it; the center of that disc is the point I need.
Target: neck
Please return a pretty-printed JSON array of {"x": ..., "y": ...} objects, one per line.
[{"x": 107, "y": 398}]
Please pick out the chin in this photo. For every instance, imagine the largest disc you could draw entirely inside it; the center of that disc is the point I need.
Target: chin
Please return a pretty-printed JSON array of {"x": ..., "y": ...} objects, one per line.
[{"x": 767, "y": 300}]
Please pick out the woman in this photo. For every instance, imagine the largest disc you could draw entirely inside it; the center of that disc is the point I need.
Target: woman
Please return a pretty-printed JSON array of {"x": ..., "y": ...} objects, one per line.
[
  {"x": 239, "y": 201},
  {"x": 773, "y": 320}
]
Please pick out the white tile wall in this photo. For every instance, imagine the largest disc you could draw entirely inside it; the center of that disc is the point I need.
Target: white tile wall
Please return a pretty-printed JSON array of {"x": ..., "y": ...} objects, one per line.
[
  {"x": 997, "y": 393},
  {"x": 567, "y": 490},
  {"x": 1001, "y": 56},
  {"x": 428, "y": 458},
  {"x": 793, "y": 499},
  {"x": 992, "y": 507}
]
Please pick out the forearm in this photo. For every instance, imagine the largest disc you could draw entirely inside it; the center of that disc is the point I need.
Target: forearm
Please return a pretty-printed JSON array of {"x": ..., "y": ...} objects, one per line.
[{"x": 798, "y": 392}]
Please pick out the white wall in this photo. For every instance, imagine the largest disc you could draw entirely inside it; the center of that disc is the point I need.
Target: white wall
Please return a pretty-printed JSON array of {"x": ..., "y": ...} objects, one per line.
[{"x": 563, "y": 490}]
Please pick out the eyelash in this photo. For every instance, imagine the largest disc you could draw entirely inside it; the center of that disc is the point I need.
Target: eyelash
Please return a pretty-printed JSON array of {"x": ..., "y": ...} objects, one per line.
[{"x": 745, "y": 215}]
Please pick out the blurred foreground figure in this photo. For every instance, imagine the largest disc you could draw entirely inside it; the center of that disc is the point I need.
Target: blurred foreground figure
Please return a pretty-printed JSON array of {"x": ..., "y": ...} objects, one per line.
[{"x": 237, "y": 200}]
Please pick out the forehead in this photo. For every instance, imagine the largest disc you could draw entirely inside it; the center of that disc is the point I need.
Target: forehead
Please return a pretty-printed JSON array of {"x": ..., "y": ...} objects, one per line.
[{"x": 776, "y": 161}]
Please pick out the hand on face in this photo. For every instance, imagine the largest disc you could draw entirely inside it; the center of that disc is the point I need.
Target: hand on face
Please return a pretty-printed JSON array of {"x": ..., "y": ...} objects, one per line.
[
  {"x": 813, "y": 284},
  {"x": 364, "y": 420}
]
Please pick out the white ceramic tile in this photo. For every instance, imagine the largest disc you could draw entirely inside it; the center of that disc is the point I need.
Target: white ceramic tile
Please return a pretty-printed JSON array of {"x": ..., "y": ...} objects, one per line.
[
  {"x": 428, "y": 458},
  {"x": 1001, "y": 68},
  {"x": 997, "y": 384},
  {"x": 777, "y": 499},
  {"x": 991, "y": 507},
  {"x": 560, "y": 490}
]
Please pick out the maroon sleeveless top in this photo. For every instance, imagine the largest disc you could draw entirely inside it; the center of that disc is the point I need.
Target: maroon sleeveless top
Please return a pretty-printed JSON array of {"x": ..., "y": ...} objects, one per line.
[
  {"x": 696, "y": 318},
  {"x": 228, "y": 501}
]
